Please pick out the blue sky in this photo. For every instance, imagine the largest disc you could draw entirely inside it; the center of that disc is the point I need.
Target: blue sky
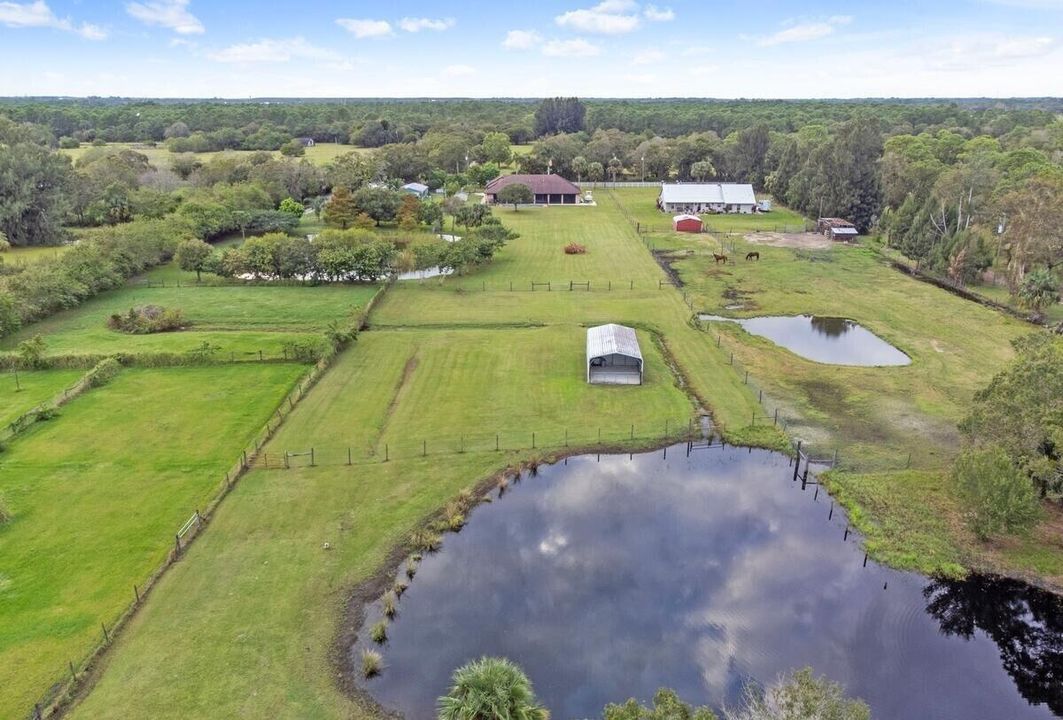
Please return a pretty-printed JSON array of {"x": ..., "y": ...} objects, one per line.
[{"x": 614, "y": 48}]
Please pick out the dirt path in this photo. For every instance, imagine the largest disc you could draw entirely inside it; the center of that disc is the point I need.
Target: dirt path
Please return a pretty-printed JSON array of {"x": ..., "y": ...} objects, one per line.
[{"x": 804, "y": 241}]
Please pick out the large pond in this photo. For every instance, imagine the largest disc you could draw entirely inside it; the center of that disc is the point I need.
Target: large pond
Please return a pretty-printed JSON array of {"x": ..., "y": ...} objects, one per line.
[
  {"x": 834, "y": 340},
  {"x": 608, "y": 577}
]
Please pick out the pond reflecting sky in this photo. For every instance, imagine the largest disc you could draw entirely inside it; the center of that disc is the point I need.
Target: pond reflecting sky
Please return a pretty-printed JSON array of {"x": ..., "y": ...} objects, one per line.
[
  {"x": 833, "y": 340},
  {"x": 608, "y": 579}
]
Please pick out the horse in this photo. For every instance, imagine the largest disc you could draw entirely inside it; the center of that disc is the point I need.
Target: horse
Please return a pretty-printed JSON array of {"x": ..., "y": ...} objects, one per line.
[
  {"x": 719, "y": 258},
  {"x": 753, "y": 255}
]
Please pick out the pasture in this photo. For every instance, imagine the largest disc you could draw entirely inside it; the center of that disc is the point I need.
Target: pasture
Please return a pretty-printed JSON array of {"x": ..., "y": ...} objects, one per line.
[
  {"x": 22, "y": 256},
  {"x": 33, "y": 388},
  {"x": 95, "y": 496},
  {"x": 161, "y": 157},
  {"x": 251, "y": 614},
  {"x": 235, "y": 318}
]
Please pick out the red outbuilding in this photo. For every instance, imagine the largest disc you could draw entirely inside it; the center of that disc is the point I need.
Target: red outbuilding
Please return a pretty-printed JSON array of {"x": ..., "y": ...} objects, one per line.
[{"x": 686, "y": 223}]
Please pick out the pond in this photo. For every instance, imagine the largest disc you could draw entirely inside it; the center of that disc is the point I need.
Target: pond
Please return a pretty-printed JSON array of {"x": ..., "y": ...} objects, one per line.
[
  {"x": 608, "y": 577},
  {"x": 838, "y": 341}
]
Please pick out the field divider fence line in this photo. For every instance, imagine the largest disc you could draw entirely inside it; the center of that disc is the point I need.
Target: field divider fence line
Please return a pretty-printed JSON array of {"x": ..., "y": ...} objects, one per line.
[{"x": 82, "y": 673}]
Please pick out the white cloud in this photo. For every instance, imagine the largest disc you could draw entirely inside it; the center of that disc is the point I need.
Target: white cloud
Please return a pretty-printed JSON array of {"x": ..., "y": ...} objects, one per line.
[
  {"x": 570, "y": 48},
  {"x": 696, "y": 50},
  {"x": 413, "y": 25},
  {"x": 365, "y": 28},
  {"x": 980, "y": 51},
  {"x": 459, "y": 70},
  {"x": 641, "y": 78},
  {"x": 1031, "y": 4},
  {"x": 172, "y": 14},
  {"x": 656, "y": 14},
  {"x": 521, "y": 39},
  {"x": 806, "y": 31},
  {"x": 269, "y": 50},
  {"x": 611, "y": 17},
  {"x": 647, "y": 57},
  {"x": 38, "y": 14}
]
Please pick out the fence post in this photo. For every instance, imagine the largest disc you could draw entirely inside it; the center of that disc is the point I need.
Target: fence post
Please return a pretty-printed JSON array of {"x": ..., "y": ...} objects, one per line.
[
  {"x": 776, "y": 417},
  {"x": 632, "y": 431},
  {"x": 106, "y": 637},
  {"x": 462, "y": 444},
  {"x": 177, "y": 544},
  {"x": 566, "y": 437},
  {"x": 73, "y": 674},
  {"x": 533, "y": 441},
  {"x": 386, "y": 452},
  {"x": 348, "y": 455},
  {"x": 746, "y": 381},
  {"x": 424, "y": 448},
  {"x": 311, "y": 457},
  {"x": 496, "y": 442},
  {"x": 136, "y": 594},
  {"x": 732, "y": 358},
  {"x": 287, "y": 463}
]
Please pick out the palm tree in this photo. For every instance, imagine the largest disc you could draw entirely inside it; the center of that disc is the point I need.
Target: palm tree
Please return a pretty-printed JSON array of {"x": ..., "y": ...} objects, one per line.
[
  {"x": 491, "y": 689},
  {"x": 1039, "y": 289}
]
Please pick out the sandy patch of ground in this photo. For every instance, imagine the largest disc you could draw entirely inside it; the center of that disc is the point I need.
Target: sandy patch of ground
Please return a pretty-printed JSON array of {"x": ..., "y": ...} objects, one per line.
[
  {"x": 937, "y": 346},
  {"x": 804, "y": 241}
]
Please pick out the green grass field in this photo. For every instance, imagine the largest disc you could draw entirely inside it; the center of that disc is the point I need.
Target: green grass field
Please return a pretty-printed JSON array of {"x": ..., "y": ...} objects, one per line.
[
  {"x": 23, "y": 256},
  {"x": 237, "y": 319},
  {"x": 245, "y": 625},
  {"x": 37, "y": 386},
  {"x": 160, "y": 157},
  {"x": 96, "y": 496}
]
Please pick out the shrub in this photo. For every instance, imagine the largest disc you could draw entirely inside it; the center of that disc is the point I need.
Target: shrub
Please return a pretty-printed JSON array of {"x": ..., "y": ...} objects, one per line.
[
  {"x": 379, "y": 632},
  {"x": 1000, "y": 498},
  {"x": 411, "y": 565},
  {"x": 399, "y": 588},
  {"x": 104, "y": 371},
  {"x": 491, "y": 689},
  {"x": 148, "y": 319},
  {"x": 389, "y": 604},
  {"x": 372, "y": 663},
  {"x": 575, "y": 249},
  {"x": 427, "y": 540},
  {"x": 797, "y": 696}
]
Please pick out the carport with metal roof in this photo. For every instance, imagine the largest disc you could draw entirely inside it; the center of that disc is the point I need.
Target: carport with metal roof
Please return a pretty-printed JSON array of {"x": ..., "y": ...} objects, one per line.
[{"x": 613, "y": 356}]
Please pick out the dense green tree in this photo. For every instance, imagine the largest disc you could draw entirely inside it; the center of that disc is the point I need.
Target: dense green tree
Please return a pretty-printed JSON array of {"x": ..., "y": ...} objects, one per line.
[
  {"x": 381, "y": 204},
  {"x": 1021, "y": 411},
  {"x": 516, "y": 194},
  {"x": 1039, "y": 289},
  {"x": 491, "y": 689},
  {"x": 1000, "y": 499},
  {"x": 352, "y": 170},
  {"x": 193, "y": 255},
  {"x": 34, "y": 185},
  {"x": 666, "y": 706},
  {"x": 291, "y": 206},
  {"x": 559, "y": 115},
  {"x": 702, "y": 170},
  {"x": 293, "y": 148},
  {"x": 495, "y": 148}
]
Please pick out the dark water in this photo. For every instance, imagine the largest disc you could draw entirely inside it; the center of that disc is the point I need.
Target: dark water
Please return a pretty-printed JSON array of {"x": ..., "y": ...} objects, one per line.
[
  {"x": 608, "y": 579},
  {"x": 833, "y": 340}
]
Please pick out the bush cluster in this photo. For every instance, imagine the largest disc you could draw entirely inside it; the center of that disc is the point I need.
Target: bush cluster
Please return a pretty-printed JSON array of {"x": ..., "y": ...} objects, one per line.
[{"x": 148, "y": 319}]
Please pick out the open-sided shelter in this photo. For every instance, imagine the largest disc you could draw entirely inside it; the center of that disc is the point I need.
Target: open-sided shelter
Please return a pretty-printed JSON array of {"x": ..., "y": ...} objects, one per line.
[{"x": 613, "y": 355}]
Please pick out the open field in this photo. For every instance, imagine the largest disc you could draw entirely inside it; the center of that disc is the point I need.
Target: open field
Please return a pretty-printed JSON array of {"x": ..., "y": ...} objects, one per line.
[
  {"x": 238, "y": 319},
  {"x": 251, "y": 613},
  {"x": 160, "y": 157},
  {"x": 286, "y": 614},
  {"x": 95, "y": 497},
  {"x": 22, "y": 256},
  {"x": 37, "y": 386}
]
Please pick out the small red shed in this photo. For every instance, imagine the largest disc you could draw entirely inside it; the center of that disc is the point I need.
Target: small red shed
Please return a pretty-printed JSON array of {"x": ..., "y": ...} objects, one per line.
[{"x": 686, "y": 223}]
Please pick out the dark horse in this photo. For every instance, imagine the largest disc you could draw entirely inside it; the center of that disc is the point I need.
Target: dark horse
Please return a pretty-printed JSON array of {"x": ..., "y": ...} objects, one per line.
[
  {"x": 753, "y": 255},
  {"x": 719, "y": 258}
]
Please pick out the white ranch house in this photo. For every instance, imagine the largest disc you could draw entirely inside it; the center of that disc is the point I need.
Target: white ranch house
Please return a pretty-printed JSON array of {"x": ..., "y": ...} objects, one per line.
[
  {"x": 613, "y": 356},
  {"x": 707, "y": 197}
]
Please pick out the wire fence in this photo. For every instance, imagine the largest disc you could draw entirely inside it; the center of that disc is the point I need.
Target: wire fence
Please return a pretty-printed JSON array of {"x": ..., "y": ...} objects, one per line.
[
  {"x": 54, "y": 702},
  {"x": 577, "y": 438}
]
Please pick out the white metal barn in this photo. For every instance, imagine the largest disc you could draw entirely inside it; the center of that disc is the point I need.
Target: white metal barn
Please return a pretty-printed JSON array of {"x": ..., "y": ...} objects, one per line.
[
  {"x": 613, "y": 356},
  {"x": 707, "y": 197}
]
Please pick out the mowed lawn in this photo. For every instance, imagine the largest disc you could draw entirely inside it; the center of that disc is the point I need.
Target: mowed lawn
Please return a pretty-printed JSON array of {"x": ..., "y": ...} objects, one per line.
[
  {"x": 256, "y": 641},
  {"x": 95, "y": 498},
  {"x": 236, "y": 318},
  {"x": 33, "y": 388}
]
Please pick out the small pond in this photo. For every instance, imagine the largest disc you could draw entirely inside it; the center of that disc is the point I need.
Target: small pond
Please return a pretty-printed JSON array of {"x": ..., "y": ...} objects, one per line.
[
  {"x": 607, "y": 577},
  {"x": 838, "y": 341}
]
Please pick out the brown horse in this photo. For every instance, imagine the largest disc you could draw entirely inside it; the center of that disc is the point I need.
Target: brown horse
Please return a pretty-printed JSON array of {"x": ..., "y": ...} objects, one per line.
[
  {"x": 753, "y": 255},
  {"x": 719, "y": 258}
]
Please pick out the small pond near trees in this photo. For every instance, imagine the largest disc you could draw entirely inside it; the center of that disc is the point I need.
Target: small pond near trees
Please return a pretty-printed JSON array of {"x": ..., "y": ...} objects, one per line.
[
  {"x": 833, "y": 340},
  {"x": 607, "y": 577}
]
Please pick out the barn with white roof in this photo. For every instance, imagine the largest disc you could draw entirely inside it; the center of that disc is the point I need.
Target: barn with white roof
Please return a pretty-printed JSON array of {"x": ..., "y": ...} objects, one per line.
[
  {"x": 613, "y": 355},
  {"x": 707, "y": 197}
]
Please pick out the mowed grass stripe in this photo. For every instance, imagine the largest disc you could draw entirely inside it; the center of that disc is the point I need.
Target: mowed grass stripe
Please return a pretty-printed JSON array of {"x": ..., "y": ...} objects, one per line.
[{"x": 96, "y": 496}]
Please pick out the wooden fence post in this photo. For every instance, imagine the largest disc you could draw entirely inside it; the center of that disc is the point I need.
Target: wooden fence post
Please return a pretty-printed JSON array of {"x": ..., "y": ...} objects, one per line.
[{"x": 136, "y": 594}]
